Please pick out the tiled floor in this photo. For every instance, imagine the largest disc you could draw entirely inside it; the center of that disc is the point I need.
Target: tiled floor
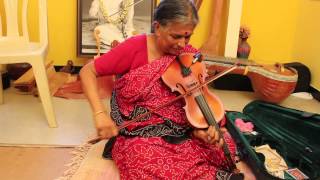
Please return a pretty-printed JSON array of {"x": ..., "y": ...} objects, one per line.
[{"x": 23, "y": 122}]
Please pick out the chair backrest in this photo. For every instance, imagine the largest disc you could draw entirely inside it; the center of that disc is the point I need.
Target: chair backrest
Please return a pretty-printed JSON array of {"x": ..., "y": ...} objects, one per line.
[{"x": 12, "y": 8}]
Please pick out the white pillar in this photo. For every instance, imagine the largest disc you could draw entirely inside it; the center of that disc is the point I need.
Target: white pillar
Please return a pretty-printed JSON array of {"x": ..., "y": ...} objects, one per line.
[
  {"x": 0, "y": 26},
  {"x": 233, "y": 27}
]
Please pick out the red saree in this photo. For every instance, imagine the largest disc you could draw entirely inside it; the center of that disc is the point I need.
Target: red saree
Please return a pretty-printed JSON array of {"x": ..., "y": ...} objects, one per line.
[{"x": 141, "y": 151}]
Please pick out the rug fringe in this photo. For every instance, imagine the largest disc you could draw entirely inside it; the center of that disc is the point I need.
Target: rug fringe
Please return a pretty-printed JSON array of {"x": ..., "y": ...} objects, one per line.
[{"x": 79, "y": 153}]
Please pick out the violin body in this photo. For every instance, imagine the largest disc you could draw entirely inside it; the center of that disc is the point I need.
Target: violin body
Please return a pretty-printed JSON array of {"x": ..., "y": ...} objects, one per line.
[{"x": 202, "y": 107}]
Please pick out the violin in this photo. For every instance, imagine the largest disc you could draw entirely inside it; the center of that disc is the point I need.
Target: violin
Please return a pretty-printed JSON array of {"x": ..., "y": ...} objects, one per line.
[{"x": 187, "y": 75}]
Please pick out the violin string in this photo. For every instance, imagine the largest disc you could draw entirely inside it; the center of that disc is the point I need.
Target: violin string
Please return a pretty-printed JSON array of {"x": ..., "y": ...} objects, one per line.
[
  {"x": 207, "y": 112},
  {"x": 178, "y": 97}
]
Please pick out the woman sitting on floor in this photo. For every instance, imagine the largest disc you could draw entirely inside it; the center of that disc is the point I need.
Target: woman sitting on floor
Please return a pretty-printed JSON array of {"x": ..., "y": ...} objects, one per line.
[{"x": 162, "y": 145}]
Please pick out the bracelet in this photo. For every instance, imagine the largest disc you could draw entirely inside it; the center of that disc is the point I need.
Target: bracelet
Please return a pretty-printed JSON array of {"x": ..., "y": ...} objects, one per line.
[
  {"x": 237, "y": 158},
  {"x": 237, "y": 161},
  {"x": 99, "y": 112}
]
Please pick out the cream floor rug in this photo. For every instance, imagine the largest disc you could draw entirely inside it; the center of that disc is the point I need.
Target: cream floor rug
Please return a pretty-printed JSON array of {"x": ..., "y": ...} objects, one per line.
[{"x": 23, "y": 123}]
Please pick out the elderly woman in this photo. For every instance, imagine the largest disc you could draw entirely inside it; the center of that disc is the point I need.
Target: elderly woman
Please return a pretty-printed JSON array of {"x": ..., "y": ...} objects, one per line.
[{"x": 162, "y": 145}]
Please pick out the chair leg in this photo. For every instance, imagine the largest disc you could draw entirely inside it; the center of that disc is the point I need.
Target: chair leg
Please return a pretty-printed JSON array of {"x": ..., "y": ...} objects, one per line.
[
  {"x": 1, "y": 89},
  {"x": 40, "y": 75}
]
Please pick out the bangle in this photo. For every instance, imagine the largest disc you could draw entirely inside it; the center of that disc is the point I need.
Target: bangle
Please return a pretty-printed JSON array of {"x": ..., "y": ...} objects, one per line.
[
  {"x": 99, "y": 112},
  {"x": 237, "y": 158}
]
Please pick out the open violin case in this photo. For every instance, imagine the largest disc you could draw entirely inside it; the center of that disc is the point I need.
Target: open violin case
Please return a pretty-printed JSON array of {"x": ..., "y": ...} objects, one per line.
[{"x": 294, "y": 134}]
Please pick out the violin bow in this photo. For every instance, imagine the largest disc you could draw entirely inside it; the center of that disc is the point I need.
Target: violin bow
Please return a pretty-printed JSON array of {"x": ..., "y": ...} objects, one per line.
[{"x": 210, "y": 79}]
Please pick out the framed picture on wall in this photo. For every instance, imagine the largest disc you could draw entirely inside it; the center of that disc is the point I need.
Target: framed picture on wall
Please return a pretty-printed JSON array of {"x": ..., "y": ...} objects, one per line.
[{"x": 101, "y": 22}]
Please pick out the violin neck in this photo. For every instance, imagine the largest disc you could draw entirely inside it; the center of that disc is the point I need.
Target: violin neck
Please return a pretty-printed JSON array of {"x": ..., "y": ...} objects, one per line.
[{"x": 207, "y": 113}]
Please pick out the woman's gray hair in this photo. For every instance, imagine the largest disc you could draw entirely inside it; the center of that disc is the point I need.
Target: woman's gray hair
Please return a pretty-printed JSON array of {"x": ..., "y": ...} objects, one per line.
[{"x": 176, "y": 11}]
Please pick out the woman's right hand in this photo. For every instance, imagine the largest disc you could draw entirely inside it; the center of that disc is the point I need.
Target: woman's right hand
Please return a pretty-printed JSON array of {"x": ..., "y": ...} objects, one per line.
[
  {"x": 211, "y": 136},
  {"x": 106, "y": 128}
]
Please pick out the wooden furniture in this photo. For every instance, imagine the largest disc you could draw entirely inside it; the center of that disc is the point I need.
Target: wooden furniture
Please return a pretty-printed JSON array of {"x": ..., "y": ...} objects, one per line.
[
  {"x": 211, "y": 46},
  {"x": 198, "y": 3},
  {"x": 16, "y": 48}
]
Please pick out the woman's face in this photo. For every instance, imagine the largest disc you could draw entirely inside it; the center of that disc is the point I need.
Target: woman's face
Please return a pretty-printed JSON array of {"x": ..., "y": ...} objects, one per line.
[{"x": 173, "y": 37}]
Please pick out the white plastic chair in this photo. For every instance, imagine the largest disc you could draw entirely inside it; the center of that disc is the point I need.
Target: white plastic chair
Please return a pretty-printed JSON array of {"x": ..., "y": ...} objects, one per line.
[{"x": 16, "y": 48}]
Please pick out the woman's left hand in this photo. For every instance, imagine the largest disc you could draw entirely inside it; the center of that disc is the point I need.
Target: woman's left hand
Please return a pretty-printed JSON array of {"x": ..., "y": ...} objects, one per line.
[{"x": 211, "y": 136}]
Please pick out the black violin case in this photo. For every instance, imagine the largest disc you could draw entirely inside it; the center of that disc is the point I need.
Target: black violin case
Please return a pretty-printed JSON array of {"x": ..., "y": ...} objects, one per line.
[{"x": 294, "y": 134}]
